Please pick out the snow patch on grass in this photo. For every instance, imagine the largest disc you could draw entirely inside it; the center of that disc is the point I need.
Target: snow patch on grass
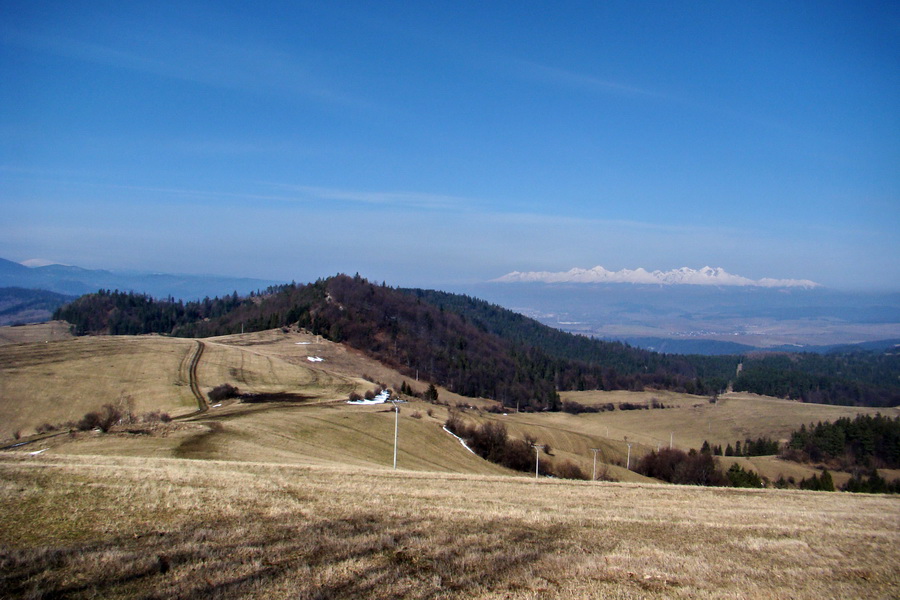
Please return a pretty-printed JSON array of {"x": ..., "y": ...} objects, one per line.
[
  {"x": 461, "y": 441},
  {"x": 379, "y": 399}
]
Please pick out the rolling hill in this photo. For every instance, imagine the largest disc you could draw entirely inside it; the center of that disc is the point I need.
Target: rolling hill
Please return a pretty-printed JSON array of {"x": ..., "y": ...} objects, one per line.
[{"x": 479, "y": 349}]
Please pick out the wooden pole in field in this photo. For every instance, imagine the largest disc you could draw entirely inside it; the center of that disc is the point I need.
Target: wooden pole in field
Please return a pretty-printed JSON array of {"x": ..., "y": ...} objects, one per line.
[
  {"x": 396, "y": 431},
  {"x": 594, "y": 474},
  {"x": 537, "y": 458}
]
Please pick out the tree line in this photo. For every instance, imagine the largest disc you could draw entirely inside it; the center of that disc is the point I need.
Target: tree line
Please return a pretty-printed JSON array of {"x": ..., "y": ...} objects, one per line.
[{"x": 864, "y": 441}]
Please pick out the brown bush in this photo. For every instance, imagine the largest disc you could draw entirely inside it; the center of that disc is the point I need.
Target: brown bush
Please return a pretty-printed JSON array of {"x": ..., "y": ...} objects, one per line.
[
  {"x": 568, "y": 470},
  {"x": 223, "y": 392}
]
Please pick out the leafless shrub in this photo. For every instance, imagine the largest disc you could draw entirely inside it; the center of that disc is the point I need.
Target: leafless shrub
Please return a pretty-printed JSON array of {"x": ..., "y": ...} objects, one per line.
[
  {"x": 90, "y": 420},
  {"x": 416, "y": 415},
  {"x": 104, "y": 419},
  {"x": 126, "y": 408},
  {"x": 354, "y": 397},
  {"x": 110, "y": 415},
  {"x": 156, "y": 417},
  {"x": 223, "y": 392},
  {"x": 568, "y": 470}
]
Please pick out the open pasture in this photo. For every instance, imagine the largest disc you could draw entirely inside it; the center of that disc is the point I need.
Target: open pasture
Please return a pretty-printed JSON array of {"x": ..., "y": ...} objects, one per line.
[
  {"x": 51, "y": 331},
  {"x": 60, "y": 381},
  {"x": 116, "y": 527}
]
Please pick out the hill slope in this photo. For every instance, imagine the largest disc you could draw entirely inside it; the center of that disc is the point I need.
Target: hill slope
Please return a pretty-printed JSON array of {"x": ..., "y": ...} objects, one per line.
[
  {"x": 496, "y": 354},
  {"x": 478, "y": 349}
]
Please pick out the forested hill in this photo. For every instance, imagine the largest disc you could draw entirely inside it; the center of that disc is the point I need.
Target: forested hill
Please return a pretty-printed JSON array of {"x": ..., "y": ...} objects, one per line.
[
  {"x": 470, "y": 346},
  {"x": 411, "y": 332},
  {"x": 713, "y": 372}
]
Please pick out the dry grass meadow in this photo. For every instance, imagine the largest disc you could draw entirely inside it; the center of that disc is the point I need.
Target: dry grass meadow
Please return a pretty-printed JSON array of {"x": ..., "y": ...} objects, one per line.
[
  {"x": 113, "y": 527},
  {"x": 298, "y": 499}
]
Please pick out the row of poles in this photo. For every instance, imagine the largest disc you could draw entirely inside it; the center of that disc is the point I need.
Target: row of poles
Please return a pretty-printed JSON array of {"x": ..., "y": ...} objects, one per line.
[{"x": 537, "y": 447}]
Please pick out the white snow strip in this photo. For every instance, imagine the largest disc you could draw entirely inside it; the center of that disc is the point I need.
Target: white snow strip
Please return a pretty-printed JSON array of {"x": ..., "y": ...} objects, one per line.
[
  {"x": 37, "y": 452},
  {"x": 217, "y": 405},
  {"x": 379, "y": 399},
  {"x": 314, "y": 359},
  {"x": 683, "y": 276},
  {"x": 303, "y": 343},
  {"x": 461, "y": 441}
]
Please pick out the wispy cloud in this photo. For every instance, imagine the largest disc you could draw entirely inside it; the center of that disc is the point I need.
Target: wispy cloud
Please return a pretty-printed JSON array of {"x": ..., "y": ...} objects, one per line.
[
  {"x": 390, "y": 198},
  {"x": 248, "y": 66},
  {"x": 546, "y": 74}
]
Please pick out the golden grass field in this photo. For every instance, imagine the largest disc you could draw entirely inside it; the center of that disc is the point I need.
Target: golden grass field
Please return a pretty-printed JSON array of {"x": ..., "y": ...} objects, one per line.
[
  {"x": 115, "y": 527},
  {"x": 38, "y": 332},
  {"x": 298, "y": 499}
]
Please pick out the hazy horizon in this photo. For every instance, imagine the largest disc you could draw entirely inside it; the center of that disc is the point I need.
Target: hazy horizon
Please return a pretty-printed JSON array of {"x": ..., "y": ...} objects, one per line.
[{"x": 442, "y": 145}]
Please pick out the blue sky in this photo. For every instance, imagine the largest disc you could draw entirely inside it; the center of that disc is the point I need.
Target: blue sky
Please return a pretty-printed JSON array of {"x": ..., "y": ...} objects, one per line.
[{"x": 429, "y": 143}]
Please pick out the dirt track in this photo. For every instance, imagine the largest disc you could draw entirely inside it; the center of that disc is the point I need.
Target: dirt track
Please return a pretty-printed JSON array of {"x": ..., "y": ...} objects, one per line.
[{"x": 202, "y": 404}]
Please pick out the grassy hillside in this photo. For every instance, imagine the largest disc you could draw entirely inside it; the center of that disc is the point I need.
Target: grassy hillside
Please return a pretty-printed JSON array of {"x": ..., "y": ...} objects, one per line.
[
  {"x": 60, "y": 381},
  {"x": 298, "y": 498},
  {"x": 690, "y": 420},
  {"x": 37, "y": 332},
  {"x": 736, "y": 416},
  {"x": 164, "y": 528}
]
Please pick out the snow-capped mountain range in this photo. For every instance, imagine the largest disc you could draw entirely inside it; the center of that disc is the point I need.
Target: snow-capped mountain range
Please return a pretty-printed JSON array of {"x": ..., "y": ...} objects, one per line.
[{"x": 682, "y": 276}]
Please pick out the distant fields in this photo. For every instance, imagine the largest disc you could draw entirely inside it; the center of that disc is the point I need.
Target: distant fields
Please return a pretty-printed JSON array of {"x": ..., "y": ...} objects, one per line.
[{"x": 735, "y": 416}]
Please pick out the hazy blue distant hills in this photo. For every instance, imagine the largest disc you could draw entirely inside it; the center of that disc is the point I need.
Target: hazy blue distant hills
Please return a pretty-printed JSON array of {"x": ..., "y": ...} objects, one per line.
[
  {"x": 19, "y": 305},
  {"x": 75, "y": 281}
]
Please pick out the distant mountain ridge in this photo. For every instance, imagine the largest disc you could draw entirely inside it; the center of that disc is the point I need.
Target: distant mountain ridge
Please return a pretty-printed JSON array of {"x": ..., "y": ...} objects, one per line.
[
  {"x": 682, "y": 276},
  {"x": 75, "y": 281}
]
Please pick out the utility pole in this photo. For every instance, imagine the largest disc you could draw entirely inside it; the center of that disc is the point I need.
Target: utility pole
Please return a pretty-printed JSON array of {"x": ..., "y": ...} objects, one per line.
[
  {"x": 396, "y": 431},
  {"x": 537, "y": 458},
  {"x": 628, "y": 460},
  {"x": 594, "y": 474},
  {"x": 671, "y": 439}
]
